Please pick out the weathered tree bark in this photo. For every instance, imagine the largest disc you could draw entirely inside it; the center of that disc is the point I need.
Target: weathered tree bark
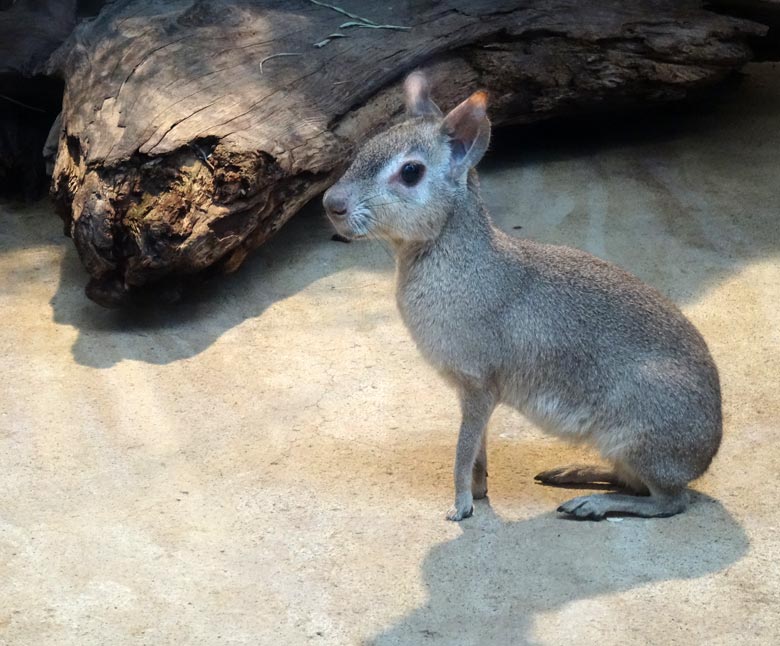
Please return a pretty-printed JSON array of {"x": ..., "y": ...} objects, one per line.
[{"x": 192, "y": 129}]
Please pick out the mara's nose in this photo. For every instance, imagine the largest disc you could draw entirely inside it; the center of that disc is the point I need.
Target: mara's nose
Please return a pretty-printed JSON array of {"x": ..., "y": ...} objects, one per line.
[{"x": 335, "y": 201}]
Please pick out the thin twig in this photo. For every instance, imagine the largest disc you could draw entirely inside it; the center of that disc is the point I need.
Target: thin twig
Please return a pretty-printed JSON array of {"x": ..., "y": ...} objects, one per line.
[
  {"x": 372, "y": 26},
  {"x": 268, "y": 58},
  {"x": 24, "y": 105},
  {"x": 203, "y": 157},
  {"x": 358, "y": 21},
  {"x": 327, "y": 39}
]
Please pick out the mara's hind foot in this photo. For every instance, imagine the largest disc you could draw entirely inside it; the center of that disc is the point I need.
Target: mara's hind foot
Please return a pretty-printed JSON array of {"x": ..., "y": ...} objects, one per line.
[
  {"x": 581, "y": 475},
  {"x": 597, "y": 506}
]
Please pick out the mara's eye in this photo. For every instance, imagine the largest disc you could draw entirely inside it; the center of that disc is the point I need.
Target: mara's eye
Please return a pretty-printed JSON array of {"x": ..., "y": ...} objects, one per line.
[{"x": 411, "y": 173}]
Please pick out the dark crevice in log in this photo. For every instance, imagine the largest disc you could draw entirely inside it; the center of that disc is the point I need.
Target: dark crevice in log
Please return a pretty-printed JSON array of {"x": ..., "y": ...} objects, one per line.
[
  {"x": 29, "y": 100},
  {"x": 28, "y": 107},
  {"x": 89, "y": 8}
]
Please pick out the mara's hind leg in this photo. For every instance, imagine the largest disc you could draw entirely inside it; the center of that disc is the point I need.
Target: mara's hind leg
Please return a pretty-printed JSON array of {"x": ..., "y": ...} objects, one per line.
[
  {"x": 660, "y": 503},
  {"x": 651, "y": 461},
  {"x": 657, "y": 500},
  {"x": 580, "y": 474}
]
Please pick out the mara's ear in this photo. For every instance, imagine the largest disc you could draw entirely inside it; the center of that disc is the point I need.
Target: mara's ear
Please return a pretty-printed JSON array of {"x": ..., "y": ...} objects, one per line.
[
  {"x": 468, "y": 128},
  {"x": 417, "y": 95}
]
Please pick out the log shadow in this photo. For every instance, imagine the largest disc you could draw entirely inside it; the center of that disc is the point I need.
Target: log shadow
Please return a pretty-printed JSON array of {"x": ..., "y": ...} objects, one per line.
[
  {"x": 301, "y": 254},
  {"x": 489, "y": 585}
]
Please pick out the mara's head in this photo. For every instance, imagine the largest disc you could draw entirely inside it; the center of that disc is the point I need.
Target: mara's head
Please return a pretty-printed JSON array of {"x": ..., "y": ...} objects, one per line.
[{"x": 404, "y": 182}]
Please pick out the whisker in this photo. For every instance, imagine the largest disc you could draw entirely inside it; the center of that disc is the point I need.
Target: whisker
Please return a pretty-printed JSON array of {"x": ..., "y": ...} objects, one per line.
[{"x": 386, "y": 203}]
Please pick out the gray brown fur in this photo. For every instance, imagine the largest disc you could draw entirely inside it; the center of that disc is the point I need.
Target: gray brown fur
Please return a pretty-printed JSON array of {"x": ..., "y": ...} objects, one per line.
[{"x": 582, "y": 348}]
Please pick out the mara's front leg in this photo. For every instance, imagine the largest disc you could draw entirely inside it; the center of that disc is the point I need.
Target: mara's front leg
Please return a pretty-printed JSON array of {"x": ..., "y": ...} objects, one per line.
[
  {"x": 477, "y": 404},
  {"x": 480, "y": 474}
]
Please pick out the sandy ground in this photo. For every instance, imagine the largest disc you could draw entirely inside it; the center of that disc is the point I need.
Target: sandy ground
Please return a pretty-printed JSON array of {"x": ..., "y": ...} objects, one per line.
[{"x": 270, "y": 463}]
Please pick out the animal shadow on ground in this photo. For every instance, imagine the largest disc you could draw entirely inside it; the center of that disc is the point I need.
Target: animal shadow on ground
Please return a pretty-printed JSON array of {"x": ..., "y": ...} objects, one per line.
[{"x": 489, "y": 585}]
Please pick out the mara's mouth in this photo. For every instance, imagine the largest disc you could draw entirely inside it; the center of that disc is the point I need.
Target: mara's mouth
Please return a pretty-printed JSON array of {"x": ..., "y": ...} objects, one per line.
[{"x": 354, "y": 228}]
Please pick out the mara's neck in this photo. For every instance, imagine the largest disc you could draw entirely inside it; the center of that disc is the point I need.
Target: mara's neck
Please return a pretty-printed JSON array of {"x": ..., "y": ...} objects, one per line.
[{"x": 467, "y": 229}]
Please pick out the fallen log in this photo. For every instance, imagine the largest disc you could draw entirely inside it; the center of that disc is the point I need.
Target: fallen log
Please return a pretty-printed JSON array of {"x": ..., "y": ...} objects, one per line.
[{"x": 192, "y": 129}]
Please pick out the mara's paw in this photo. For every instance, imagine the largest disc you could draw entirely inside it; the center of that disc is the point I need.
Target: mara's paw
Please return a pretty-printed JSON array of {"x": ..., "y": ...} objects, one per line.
[
  {"x": 559, "y": 475},
  {"x": 585, "y": 507},
  {"x": 577, "y": 474},
  {"x": 597, "y": 506},
  {"x": 463, "y": 507}
]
